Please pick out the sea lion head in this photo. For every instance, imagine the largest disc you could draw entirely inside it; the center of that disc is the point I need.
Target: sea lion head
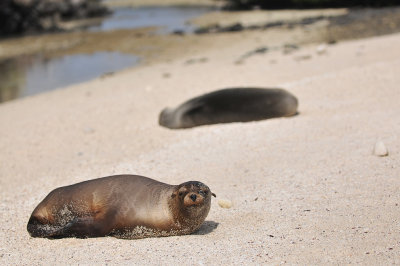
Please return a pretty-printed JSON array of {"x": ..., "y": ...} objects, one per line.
[
  {"x": 193, "y": 201},
  {"x": 166, "y": 118},
  {"x": 175, "y": 118}
]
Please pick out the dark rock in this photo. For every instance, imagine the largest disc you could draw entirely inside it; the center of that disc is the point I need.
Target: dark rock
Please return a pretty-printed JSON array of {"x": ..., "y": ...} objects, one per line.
[
  {"x": 289, "y": 48},
  {"x": 234, "y": 27},
  {"x": 260, "y": 50},
  {"x": 301, "y": 4},
  {"x": 217, "y": 28},
  {"x": 22, "y": 16},
  {"x": 178, "y": 32},
  {"x": 273, "y": 24},
  {"x": 208, "y": 29},
  {"x": 308, "y": 21}
]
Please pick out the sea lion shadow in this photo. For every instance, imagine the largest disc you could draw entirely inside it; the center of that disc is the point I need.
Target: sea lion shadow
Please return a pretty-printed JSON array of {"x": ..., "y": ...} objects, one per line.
[{"x": 206, "y": 228}]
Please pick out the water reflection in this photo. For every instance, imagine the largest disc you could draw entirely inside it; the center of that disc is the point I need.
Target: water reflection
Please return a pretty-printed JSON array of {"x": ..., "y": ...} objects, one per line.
[
  {"x": 11, "y": 81},
  {"x": 30, "y": 75}
]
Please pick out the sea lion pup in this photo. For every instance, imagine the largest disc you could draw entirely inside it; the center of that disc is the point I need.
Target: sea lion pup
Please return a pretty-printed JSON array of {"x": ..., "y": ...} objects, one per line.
[
  {"x": 124, "y": 206},
  {"x": 230, "y": 105}
]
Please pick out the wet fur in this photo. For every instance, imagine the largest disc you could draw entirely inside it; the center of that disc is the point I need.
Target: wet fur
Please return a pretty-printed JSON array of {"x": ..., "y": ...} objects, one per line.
[
  {"x": 230, "y": 105},
  {"x": 125, "y": 206}
]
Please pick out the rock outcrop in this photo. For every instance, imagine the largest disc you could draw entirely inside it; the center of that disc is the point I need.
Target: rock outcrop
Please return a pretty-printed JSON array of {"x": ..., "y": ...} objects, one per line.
[{"x": 22, "y": 16}]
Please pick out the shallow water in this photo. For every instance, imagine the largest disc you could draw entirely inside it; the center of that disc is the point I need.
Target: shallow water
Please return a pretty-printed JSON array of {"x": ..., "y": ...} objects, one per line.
[
  {"x": 169, "y": 18},
  {"x": 29, "y": 75}
]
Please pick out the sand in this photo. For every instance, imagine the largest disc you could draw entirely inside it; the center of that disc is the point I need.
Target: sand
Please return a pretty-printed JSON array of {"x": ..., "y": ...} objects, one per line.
[{"x": 305, "y": 189}]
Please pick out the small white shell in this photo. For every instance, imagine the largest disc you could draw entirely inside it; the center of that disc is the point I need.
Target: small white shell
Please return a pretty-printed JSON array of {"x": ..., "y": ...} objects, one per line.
[
  {"x": 321, "y": 49},
  {"x": 224, "y": 203},
  {"x": 380, "y": 149}
]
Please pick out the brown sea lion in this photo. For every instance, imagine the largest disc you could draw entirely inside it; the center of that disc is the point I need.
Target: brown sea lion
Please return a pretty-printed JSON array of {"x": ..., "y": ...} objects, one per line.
[
  {"x": 230, "y": 105},
  {"x": 124, "y": 206}
]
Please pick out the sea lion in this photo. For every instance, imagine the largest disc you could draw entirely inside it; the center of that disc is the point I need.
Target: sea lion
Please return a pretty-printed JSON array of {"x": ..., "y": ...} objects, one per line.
[
  {"x": 124, "y": 206},
  {"x": 230, "y": 105}
]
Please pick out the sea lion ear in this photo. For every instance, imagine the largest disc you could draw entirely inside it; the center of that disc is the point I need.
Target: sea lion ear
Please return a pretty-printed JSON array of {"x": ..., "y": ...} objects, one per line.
[
  {"x": 213, "y": 195},
  {"x": 173, "y": 195},
  {"x": 183, "y": 189}
]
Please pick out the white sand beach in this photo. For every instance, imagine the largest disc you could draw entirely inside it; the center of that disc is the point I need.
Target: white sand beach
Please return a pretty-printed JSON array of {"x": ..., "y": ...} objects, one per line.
[{"x": 305, "y": 189}]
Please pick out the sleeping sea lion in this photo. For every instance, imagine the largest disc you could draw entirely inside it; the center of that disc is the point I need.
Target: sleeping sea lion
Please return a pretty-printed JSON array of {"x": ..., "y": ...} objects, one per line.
[
  {"x": 230, "y": 105},
  {"x": 124, "y": 206}
]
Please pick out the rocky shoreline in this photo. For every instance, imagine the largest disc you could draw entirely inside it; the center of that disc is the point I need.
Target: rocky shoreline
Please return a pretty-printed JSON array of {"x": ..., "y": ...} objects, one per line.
[
  {"x": 316, "y": 26},
  {"x": 34, "y": 16},
  {"x": 335, "y": 24}
]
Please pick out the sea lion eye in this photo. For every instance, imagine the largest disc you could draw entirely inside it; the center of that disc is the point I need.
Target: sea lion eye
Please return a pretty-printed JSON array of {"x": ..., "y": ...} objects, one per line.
[{"x": 205, "y": 192}]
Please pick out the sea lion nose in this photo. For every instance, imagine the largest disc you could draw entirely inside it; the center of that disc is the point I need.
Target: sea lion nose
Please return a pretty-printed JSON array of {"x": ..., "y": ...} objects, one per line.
[{"x": 193, "y": 197}]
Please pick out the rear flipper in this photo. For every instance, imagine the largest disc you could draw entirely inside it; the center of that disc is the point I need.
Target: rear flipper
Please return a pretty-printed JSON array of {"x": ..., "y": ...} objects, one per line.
[{"x": 78, "y": 227}]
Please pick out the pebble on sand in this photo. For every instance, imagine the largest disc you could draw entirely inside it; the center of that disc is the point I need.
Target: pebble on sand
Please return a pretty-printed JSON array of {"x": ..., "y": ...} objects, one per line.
[
  {"x": 224, "y": 203},
  {"x": 321, "y": 49},
  {"x": 380, "y": 149}
]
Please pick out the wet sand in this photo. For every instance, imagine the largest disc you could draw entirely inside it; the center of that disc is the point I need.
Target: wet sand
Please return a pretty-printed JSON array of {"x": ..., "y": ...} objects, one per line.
[{"x": 305, "y": 189}]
